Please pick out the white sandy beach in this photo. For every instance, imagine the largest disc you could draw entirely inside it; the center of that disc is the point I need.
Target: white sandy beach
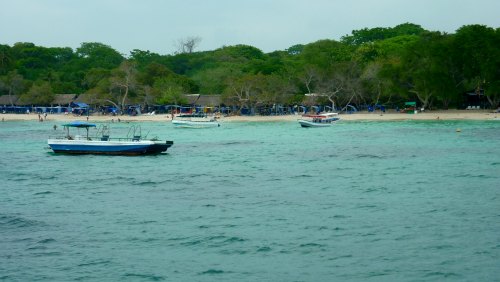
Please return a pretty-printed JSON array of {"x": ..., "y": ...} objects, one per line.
[{"x": 360, "y": 116}]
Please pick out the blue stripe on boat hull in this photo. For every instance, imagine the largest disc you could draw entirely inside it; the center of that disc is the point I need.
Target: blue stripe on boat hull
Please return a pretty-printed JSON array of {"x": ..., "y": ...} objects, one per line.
[{"x": 111, "y": 150}]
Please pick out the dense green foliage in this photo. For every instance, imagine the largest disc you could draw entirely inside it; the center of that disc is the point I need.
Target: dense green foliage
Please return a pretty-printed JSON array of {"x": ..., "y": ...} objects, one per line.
[{"x": 370, "y": 66}]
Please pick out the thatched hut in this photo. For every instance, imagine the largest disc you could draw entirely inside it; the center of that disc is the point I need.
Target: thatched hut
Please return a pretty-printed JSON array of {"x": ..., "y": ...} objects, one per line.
[
  {"x": 88, "y": 98},
  {"x": 8, "y": 100},
  {"x": 63, "y": 99},
  {"x": 209, "y": 100}
]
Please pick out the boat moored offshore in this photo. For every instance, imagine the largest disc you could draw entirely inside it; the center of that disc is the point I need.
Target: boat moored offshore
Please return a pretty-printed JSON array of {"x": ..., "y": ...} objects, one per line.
[
  {"x": 103, "y": 144},
  {"x": 319, "y": 120},
  {"x": 195, "y": 121}
]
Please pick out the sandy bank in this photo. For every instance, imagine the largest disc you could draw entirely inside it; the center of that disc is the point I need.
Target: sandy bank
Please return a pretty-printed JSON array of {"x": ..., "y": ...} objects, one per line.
[{"x": 360, "y": 116}]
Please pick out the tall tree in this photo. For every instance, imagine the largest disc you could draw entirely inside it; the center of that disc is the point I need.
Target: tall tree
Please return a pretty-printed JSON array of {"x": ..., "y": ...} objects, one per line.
[
  {"x": 94, "y": 76},
  {"x": 478, "y": 54},
  {"x": 274, "y": 89},
  {"x": 309, "y": 77},
  {"x": 323, "y": 54},
  {"x": 331, "y": 85},
  {"x": 39, "y": 94},
  {"x": 168, "y": 92},
  {"x": 244, "y": 89},
  {"x": 13, "y": 83},
  {"x": 374, "y": 82},
  {"x": 143, "y": 58},
  {"x": 98, "y": 55},
  {"x": 423, "y": 68},
  {"x": 188, "y": 44},
  {"x": 213, "y": 80},
  {"x": 367, "y": 35},
  {"x": 6, "y": 59},
  {"x": 123, "y": 81}
]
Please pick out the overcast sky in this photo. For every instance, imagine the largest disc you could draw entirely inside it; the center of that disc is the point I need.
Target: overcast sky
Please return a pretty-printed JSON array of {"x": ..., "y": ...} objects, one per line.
[{"x": 269, "y": 25}]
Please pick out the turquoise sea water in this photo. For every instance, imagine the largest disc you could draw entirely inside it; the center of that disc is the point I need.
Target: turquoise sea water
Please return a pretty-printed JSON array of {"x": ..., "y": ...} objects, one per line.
[{"x": 380, "y": 201}]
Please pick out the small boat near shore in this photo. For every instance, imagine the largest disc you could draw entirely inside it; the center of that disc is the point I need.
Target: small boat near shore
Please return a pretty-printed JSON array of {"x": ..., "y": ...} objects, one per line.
[
  {"x": 319, "y": 120},
  {"x": 102, "y": 144},
  {"x": 195, "y": 121}
]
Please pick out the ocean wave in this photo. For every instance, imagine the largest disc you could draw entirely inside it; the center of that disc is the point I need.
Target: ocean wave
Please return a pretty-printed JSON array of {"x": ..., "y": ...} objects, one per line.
[
  {"x": 92, "y": 263},
  {"x": 36, "y": 248},
  {"x": 340, "y": 257},
  {"x": 147, "y": 183},
  {"x": 12, "y": 221},
  {"x": 47, "y": 254},
  {"x": 369, "y": 156},
  {"x": 150, "y": 277},
  {"x": 43, "y": 193},
  {"x": 337, "y": 216},
  {"x": 302, "y": 176},
  {"x": 213, "y": 241},
  {"x": 143, "y": 240},
  {"x": 379, "y": 273},
  {"x": 441, "y": 274},
  {"x": 264, "y": 249},
  {"x": 45, "y": 177},
  {"x": 234, "y": 239},
  {"x": 309, "y": 245},
  {"x": 469, "y": 175},
  {"x": 46, "y": 241},
  {"x": 212, "y": 272}
]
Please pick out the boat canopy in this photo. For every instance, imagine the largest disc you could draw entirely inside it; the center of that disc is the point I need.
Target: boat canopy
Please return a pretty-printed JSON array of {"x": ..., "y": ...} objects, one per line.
[
  {"x": 324, "y": 115},
  {"x": 79, "y": 124}
]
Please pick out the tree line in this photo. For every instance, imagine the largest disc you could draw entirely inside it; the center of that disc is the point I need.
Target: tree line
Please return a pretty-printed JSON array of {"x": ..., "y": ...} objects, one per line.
[{"x": 369, "y": 66}]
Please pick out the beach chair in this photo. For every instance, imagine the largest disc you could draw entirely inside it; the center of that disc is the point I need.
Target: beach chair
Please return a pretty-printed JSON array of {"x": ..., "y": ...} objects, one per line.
[{"x": 469, "y": 108}]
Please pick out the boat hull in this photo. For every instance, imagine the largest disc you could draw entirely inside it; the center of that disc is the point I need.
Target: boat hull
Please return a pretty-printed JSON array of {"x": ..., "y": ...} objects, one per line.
[
  {"x": 143, "y": 147},
  {"x": 308, "y": 123},
  {"x": 194, "y": 124}
]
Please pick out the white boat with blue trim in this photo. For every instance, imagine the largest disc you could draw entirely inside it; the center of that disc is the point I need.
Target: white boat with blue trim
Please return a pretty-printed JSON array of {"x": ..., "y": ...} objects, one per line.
[
  {"x": 102, "y": 144},
  {"x": 195, "y": 121},
  {"x": 319, "y": 120}
]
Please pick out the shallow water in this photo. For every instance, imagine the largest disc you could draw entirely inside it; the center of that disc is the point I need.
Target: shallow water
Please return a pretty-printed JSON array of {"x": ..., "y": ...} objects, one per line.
[{"x": 397, "y": 201}]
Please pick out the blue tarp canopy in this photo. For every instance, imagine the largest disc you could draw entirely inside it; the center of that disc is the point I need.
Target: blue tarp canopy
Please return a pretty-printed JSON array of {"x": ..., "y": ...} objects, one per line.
[
  {"x": 79, "y": 124},
  {"x": 80, "y": 105}
]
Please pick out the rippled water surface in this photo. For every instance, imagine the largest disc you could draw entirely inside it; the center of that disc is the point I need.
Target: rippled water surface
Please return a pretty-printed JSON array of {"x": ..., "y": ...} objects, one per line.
[{"x": 396, "y": 201}]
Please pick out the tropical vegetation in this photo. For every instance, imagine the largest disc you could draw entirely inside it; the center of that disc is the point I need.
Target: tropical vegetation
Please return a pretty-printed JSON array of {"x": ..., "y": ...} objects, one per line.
[{"x": 371, "y": 66}]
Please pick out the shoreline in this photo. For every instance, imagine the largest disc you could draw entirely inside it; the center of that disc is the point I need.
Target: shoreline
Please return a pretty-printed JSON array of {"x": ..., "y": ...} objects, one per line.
[{"x": 480, "y": 115}]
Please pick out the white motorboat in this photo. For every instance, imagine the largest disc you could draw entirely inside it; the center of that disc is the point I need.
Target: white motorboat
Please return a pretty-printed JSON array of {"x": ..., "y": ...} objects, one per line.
[
  {"x": 319, "y": 120},
  {"x": 194, "y": 121},
  {"x": 103, "y": 144}
]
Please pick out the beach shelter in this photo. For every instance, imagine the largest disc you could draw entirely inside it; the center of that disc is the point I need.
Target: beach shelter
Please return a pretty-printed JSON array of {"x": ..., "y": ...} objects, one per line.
[{"x": 79, "y": 105}]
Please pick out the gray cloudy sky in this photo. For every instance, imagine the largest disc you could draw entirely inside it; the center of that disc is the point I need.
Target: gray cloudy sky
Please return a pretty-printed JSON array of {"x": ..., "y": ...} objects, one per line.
[{"x": 269, "y": 25}]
